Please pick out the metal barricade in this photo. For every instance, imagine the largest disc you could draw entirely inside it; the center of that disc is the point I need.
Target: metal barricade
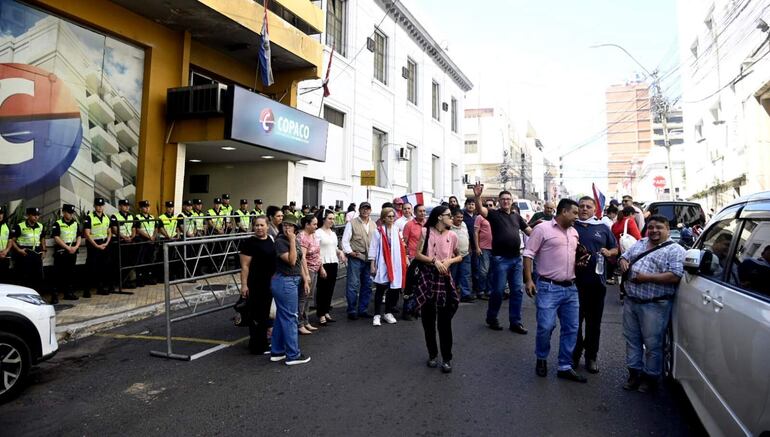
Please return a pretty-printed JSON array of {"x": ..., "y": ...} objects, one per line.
[{"x": 191, "y": 276}]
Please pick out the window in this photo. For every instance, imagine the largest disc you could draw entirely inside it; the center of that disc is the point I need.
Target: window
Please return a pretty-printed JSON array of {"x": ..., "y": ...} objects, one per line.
[
  {"x": 455, "y": 178},
  {"x": 716, "y": 245},
  {"x": 411, "y": 81},
  {"x": 471, "y": 146},
  {"x": 380, "y": 56},
  {"x": 334, "y": 116},
  {"x": 379, "y": 143},
  {"x": 199, "y": 183},
  {"x": 436, "y": 176},
  {"x": 752, "y": 258},
  {"x": 336, "y": 21},
  {"x": 411, "y": 172},
  {"x": 436, "y": 101},
  {"x": 454, "y": 115}
]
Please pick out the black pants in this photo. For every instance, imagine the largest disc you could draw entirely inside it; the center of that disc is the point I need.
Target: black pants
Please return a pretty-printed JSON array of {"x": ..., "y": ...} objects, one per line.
[
  {"x": 99, "y": 266},
  {"x": 64, "y": 270},
  {"x": 591, "y": 295},
  {"x": 391, "y": 298},
  {"x": 325, "y": 289},
  {"x": 5, "y": 270},
  {"x": 441, "y": 317},
  {"x": 145, "y": 255},
  {"x": 258, "y": 303},
  {"x": 30, "y": 270}
]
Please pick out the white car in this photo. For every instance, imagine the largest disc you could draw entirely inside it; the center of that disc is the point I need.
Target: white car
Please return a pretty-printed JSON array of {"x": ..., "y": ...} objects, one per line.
[
  {"x": 526, "y": 209},
  {"x": 27, "y": 336}
]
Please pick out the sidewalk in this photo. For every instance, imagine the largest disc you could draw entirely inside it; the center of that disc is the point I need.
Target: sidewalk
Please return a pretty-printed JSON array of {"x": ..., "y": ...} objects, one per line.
[{"x": 83, "y": 317}]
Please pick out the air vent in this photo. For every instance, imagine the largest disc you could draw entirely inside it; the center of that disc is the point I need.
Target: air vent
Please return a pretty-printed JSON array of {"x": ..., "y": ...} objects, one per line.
[
  {"x": 405, "y": 72},
  {"x": 198, "y": 101},
  {"x": 370, "y": 44}
]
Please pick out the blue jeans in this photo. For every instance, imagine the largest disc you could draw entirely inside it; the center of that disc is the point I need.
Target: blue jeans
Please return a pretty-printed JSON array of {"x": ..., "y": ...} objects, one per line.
[
  {"x": 474, "y": 273},
  {"x": 554, "y": 300},
  {"x": 359, "y": 286},
  {"x": 483, "y": 281},
  {"x": 285, "y": 339},
  {"x": 645, "y": 324},
  {"x": 506, "y": 269},
  {"x": 461, "y": 274}
]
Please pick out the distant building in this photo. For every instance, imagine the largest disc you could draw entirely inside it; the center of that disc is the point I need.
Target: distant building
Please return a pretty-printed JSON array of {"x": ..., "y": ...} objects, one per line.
[{"x": 629, "y": 133}]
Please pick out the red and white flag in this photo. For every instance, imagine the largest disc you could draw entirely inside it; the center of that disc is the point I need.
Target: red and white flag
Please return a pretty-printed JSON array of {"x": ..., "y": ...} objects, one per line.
[{"x": 414, "y": 199}]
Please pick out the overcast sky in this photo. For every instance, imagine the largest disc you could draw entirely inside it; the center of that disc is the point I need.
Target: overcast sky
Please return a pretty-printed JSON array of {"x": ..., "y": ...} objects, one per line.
[{"x": 534, "y": 58}]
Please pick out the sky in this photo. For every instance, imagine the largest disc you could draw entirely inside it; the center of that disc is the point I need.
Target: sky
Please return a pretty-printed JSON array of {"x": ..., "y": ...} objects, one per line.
[{"x": 533, "y": 58}]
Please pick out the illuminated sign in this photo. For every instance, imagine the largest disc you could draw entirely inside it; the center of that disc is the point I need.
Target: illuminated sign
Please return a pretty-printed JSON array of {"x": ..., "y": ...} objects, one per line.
[{"x": 263, "y": 122}]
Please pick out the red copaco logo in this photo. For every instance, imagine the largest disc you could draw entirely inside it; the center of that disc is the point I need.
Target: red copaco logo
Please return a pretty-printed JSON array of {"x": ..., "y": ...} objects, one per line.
[{"x": 267, "y": 119}]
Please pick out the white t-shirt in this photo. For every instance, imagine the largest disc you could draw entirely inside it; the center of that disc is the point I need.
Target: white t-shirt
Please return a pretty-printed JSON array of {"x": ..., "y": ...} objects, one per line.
[
  {"x": 401, "y": 222},
  {"x": 328, "y": 242}
]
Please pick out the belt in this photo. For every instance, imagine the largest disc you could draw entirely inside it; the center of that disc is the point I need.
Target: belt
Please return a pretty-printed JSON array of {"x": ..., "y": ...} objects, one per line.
[
  {"x": 559, "y": 283},
  {"x": 653, "y": 300}
]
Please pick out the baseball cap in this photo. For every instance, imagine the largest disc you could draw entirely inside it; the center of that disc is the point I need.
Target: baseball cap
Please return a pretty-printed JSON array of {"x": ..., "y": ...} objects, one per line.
[
  {"x": 244, "y": 201},
  {"x": 169, "y": 204},
  {"x": 217, "y": 200},
  {"x": 365, "y": 205},
  {"x": 187, "y": 203},
  {"x": 124, "y": 202},
  {"x": 68, "y": 208},
  {"x": 144, "y": 204},
  {"x": 197, "y": 202},
  {"x": 226, "y": 196},
  {"x": 33, "y": 211},
  {"x": 99, "y": 201},
  {"x": 397, "y": 200},
  {"x": 257, "y": 200}
]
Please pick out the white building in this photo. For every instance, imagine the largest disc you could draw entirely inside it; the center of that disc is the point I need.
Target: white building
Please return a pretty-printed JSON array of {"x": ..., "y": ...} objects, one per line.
[
  {"x": 395, "y": 107},
  {"x": 655, "y": 164},
  {"x": 726, "y": 98}
]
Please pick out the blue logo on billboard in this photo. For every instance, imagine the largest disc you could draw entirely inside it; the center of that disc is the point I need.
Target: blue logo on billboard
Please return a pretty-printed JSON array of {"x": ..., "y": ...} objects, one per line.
[{"x": 40, "y": 130}]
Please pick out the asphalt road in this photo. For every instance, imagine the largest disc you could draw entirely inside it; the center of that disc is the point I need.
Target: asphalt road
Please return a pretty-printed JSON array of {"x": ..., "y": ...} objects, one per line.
[{"x": 362, "y": 381}]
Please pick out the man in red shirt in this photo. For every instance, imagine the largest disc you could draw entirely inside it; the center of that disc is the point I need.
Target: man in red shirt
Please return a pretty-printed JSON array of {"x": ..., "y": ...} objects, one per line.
[{"x": 413, "y": 231}]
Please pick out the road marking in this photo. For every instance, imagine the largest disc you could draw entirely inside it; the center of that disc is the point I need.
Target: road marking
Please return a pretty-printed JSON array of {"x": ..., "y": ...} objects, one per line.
[
  {"x": 162, "y": 338},
  {"x": 209, "y": 351}
]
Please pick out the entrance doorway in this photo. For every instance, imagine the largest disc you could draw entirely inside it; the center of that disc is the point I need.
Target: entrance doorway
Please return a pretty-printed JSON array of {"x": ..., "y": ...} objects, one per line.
[{"x": 311, "y": 189}]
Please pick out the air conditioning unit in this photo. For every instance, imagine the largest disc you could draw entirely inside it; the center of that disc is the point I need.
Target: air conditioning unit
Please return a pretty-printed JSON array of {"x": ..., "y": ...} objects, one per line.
[
  {"x": 199, "y": 101},
  {"x": 403, "y": 154},
  {"x": 370, "y": 44},
  {"x": 445, "y": 106},
  {"x": 405, "y": 72}
]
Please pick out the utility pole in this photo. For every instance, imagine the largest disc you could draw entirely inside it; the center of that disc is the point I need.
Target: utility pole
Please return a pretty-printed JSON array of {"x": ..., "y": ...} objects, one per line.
[{"x": 523, "y": 181}]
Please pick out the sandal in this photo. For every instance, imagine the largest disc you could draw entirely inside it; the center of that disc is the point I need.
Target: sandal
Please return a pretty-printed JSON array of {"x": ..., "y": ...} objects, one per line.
[
  {"x": 329, "y": 319},
  {"x": 322, "y": 321}
]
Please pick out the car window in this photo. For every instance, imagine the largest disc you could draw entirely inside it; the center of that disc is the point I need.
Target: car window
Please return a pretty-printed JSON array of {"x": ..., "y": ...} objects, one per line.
[
  {"x": 523, "y": 206},
  {"x": 716, "y": 246},
  {"x": 752, "y": 257}
]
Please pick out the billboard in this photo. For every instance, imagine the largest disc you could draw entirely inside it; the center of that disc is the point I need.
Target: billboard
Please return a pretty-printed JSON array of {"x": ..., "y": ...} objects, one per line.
[
  {"x": 70, "y": 110},
  {"x": 263, "y": 122}
]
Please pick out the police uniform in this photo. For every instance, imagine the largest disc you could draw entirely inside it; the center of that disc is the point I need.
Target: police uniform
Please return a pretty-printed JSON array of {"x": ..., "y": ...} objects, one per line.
[
  {"x": 146, "y": 248},
  {"x": 5, "y": 250},
  {"x": 187, "y": 229},
  {"x": 244, "y": 218},
  {"x": 98, "y": 261},
  {"x": 122, "y": 224},
  {"x": 66, "y": 234},
  {"x": 28, "y": 238},
  {"x": 257, "y": 211},
  {"x": 200, "y": 223},
  {"x": 217, "y": 224}
]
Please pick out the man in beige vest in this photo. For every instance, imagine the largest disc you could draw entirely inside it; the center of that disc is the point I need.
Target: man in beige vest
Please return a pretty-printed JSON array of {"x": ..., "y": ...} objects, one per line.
[{"x": 355, "y": 243}]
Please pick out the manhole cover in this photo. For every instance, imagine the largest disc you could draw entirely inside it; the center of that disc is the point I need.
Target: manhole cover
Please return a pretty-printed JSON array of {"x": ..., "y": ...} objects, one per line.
[{"x": 213, "y": 287}]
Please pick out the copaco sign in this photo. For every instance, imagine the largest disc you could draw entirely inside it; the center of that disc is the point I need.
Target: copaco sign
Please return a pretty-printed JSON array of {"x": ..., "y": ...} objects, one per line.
[{"x": 263, "y": 122}]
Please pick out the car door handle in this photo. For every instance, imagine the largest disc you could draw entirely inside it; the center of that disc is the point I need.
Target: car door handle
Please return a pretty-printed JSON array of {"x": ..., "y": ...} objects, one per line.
[
  {"x": 706, "y": 297},
  {"x": 718, "y": 305}
]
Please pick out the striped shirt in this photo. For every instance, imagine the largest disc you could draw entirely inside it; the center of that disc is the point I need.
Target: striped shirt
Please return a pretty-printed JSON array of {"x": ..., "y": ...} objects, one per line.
[{"x": 667, "y": 259}]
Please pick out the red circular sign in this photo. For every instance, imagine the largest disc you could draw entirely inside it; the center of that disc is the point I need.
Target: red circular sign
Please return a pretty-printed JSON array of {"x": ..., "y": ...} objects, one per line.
[{"x": 659, "y": 182}]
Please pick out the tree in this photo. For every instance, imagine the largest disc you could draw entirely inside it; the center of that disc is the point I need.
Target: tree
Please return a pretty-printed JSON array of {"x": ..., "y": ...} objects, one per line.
[{"x": 507, "y": 171}]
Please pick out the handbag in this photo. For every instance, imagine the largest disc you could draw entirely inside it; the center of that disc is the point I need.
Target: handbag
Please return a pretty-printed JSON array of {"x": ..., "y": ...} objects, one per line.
[
  {"x": 626, "y": 240},
  {"x": 413, "y": 273},
  {"x": 241, "y": 318}
]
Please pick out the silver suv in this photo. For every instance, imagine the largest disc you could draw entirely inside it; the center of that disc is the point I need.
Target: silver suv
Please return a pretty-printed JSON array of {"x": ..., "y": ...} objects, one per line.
[{"x": 721, "y": 321}]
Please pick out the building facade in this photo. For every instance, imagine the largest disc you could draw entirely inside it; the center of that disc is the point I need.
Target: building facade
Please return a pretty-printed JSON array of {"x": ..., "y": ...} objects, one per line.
[
  {"x": 395, "y": 107},
  {"x": 85, "y": 110},
  {"x": 726, "y": 99},
  {"x": 629, "y": 132}
]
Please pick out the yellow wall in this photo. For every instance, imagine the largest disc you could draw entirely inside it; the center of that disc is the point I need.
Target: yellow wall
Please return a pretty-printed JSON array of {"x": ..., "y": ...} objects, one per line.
[{"x": 168, "y": 55}]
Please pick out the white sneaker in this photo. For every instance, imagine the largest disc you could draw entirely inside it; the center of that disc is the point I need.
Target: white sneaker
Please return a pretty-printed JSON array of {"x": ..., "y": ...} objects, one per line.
[
  {"x": 389, "y": 318},
  {"x": 376, "y": 320}
]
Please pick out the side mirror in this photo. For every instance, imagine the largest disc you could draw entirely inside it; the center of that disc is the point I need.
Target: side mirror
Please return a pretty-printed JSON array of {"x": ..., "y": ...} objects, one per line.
[{"x": 692, "y": 260}]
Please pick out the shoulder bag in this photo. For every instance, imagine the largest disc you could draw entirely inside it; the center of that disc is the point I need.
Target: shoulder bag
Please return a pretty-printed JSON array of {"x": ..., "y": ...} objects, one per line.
[
  {"x": 626, "y": 240},
  {"x": 631, "y": 263}
]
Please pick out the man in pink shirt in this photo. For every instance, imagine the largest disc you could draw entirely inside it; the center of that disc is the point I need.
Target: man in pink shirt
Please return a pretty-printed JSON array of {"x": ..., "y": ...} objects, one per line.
[
  {"x": 483, "y": 234},
  {"x": 413, "y": 231},
  {"x": 553, "y": 246}
]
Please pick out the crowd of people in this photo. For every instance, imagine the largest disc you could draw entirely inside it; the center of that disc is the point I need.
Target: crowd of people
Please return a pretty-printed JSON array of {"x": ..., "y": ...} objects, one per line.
[{"x": 430, "y": 262}]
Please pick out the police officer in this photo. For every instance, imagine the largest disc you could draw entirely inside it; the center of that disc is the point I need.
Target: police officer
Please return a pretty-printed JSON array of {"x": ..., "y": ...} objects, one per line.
[
  {"x": 243, "y": 217},
  {"x": 145, "y": 228},
  {"x": 96, "y": 228},
  {"x": 216, "y": 220},
  {"x": 5, "y": 249},
  {"x": 122, "y": 225},
  {"x": 198, "y": 212},
  {"x": 226, "y": 204},
  {"x": 29, "y": 250},
  {"x": 186, "y": 221},
  {"x": 293, "y": 209},
  {"x": 66, "y": 236},
  {"x": 168, "y": 228},
  {"x": 257, "y": 208}
]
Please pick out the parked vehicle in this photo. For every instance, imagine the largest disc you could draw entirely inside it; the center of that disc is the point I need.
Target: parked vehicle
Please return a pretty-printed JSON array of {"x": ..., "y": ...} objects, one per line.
[
  {"x": 721, "y": 321},
  {"x": 27, "y": 336},
  {"x": 680, "y": 215},
  {"x": 526, "y": 210}
]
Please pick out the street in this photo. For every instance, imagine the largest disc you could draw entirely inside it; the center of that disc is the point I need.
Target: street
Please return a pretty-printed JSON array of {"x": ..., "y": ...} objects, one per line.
[{"x": 361, "y": 381}]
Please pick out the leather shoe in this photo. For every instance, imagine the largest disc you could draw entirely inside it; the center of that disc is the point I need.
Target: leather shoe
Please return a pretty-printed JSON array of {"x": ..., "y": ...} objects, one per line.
[
  {"x": 467, "y": 299},
  {"x": 446, "y": 367},
  {"x": 633, "y": 380},
  {"x": 591, "y": 366},
  {"x": 494, "y": 325},
  {"x": 364, "y": 316},
  {"x": 541, "y": 368},
  {"x": 518, "y": 328},
  {"x": 352, "y": 316},
  {"x": 571, "y": 375}
]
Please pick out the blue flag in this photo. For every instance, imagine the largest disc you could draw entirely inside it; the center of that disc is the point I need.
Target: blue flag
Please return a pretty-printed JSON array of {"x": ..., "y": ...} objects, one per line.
[{"x": 265, "y": 64}]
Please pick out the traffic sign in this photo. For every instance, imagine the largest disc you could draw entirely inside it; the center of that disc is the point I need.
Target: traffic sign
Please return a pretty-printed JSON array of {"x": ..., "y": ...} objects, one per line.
[
  {"x": 368, "y": 178},
  {"x": 659, "y": 182}
]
